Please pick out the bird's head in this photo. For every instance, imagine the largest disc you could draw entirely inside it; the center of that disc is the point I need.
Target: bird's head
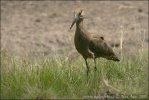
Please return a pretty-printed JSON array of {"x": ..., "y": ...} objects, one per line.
[{"x": 78, "y": 16}]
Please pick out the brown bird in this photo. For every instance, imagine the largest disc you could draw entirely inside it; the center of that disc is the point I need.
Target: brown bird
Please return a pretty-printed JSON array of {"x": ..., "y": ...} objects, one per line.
[{"x": 90, "y": 45}]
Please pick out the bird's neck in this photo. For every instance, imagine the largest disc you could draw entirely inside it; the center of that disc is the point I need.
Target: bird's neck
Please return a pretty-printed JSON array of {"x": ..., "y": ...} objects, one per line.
[{"x": 79, "y": 25}]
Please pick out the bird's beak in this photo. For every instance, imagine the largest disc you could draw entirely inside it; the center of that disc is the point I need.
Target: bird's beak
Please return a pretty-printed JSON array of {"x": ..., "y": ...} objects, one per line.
[{"x": 74, "y": 21}]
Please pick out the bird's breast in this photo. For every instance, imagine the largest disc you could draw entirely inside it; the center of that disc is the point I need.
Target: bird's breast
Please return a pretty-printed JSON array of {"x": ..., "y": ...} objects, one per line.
[{"x": 80, "y": 44}]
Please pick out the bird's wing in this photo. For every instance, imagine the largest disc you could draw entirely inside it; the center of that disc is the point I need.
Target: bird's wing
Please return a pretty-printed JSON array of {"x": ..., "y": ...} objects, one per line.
[{"x": 99, "y": 46}]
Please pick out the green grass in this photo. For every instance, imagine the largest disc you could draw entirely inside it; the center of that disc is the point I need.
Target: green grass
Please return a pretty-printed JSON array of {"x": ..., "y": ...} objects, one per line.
[{"x": 60, "y": 77}]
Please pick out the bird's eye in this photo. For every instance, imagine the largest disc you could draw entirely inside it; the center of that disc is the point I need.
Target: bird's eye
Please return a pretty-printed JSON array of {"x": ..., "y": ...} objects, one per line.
[{"x": 79, "y": 13}]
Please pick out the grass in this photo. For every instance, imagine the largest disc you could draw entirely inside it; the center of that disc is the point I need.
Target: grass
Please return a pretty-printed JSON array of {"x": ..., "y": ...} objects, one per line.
[{"x": 60, "y": 77}]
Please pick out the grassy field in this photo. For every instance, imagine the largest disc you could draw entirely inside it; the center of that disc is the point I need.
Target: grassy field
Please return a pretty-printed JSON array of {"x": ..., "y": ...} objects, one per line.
[{"x": 60, "y": 77}]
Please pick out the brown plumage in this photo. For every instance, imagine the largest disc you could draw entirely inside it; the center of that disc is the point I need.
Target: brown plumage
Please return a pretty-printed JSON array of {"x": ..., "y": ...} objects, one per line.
[{"x": 90, "y": 45}]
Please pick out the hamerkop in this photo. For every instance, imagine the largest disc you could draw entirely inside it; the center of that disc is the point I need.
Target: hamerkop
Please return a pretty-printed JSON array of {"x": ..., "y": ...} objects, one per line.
[{"x": 90, "y": 45}]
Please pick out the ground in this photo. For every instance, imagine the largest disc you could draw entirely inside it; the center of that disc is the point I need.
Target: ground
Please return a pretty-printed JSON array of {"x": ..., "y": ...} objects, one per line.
[{"x": 42, "y": 27}]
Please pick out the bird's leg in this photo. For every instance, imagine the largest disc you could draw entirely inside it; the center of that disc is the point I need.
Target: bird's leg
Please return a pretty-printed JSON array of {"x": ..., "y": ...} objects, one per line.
[
  {"x": 95, "y": 77},
  {"x": 95, "y": 68},
  {"x": 87, "y": 66},
  {"x": 93, "y": 56}
]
